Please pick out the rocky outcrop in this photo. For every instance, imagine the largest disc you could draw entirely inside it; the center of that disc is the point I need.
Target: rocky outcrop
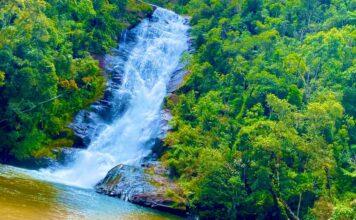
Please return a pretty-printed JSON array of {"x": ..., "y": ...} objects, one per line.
[{"x": 148, "y": 185}]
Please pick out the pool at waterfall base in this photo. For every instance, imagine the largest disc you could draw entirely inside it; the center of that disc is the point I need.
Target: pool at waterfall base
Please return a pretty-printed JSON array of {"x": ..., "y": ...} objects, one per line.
[{"x": 23, "y": 197}]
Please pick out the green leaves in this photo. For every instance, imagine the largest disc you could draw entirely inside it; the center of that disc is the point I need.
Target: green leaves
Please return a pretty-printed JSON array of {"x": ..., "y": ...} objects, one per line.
[
  {"x": 47, "y": 72},
  {"x": 2, "y": 78},
  {"x": 271, "y": 86}
]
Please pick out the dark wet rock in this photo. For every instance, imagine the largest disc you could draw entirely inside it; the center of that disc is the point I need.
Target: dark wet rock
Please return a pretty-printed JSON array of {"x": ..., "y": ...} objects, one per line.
[
  {"x": 176, "y": 79},
  {"x": 181, "y": 71},
  {"x": 90, "y": 122},
  {"x": 148, "y": 185}
]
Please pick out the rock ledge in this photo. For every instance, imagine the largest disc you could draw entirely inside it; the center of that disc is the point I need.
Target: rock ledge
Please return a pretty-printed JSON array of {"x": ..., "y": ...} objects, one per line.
[{"x": 148, "y": 185}]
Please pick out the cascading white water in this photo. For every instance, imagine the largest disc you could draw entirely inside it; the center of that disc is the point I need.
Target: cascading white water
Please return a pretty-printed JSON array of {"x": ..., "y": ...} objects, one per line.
[{"x": 127, "y": 137}]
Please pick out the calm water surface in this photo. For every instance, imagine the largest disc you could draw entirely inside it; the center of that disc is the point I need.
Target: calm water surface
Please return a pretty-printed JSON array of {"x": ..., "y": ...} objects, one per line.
[{"x": 24, "y": 197}]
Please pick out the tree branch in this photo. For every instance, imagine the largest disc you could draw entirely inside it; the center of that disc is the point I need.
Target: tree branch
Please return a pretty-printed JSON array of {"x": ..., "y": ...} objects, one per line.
[{"x": 41, "y": 103}]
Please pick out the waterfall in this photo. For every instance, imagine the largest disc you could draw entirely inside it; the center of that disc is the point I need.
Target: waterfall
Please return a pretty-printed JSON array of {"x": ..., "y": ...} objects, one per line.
[{"x": 121, "y": 128}]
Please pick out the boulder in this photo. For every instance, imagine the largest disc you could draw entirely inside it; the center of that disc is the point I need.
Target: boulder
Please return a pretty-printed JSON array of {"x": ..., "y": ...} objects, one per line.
[{"x": 148, "y": 185}]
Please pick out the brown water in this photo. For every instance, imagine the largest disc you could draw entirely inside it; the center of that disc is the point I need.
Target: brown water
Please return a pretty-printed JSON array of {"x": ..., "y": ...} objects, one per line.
[{"x": 23, "y": 197}]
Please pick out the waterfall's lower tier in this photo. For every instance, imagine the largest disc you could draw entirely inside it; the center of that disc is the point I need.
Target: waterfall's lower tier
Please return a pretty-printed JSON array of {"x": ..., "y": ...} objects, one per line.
[{"x": 122, "y": 128}]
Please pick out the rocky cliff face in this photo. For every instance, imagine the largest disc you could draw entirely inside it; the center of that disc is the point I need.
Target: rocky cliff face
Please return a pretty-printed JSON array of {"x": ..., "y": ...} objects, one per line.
[{"x": 148, "y": 185}]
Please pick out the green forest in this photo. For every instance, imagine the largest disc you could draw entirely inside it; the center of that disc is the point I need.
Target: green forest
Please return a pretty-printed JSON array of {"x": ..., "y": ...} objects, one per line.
[
  {"x": 49, "y": 68},
  {"x": 264, "y": 123},
  {"x": 264, "y": 126}
]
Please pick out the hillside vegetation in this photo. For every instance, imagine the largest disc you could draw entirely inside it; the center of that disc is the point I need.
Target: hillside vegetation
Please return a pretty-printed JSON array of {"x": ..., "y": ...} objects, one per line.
[
  {"x": 264, "y": 123},
  {"x": 47, "y": 69},
  {"x": 264, "y": 126}
]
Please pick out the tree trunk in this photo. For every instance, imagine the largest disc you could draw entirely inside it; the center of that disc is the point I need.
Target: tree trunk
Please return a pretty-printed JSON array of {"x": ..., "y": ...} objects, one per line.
[{"x": 299, "y": 203}]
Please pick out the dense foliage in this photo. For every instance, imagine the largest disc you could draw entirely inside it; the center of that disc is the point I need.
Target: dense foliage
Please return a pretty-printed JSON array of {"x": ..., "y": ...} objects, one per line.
[
  {"x": 47, "y": 69},
  {"x": 264, "y": 126}
]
